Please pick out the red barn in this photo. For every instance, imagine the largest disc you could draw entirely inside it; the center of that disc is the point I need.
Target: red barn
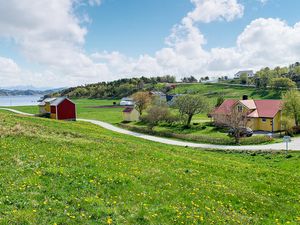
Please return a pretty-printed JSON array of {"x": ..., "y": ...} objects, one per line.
[{"x": 63, "y": 108}]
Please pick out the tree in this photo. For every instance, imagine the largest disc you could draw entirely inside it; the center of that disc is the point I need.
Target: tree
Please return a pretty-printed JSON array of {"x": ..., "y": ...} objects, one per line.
[
  {"x": 244, "y": 78},
  {"x": 291, "y": 105},
  {"x": 287, "y": 125},
  {"x": 142, "y": 100},
  {"x": 220, "y": 100},
  {"x": 190, "y": 79},
  {"x": 236, "y": 120},
  {"x": 282, "y": 84},
  {"x": 190, "y": 105},
  {"x": 156, "y": 114}
]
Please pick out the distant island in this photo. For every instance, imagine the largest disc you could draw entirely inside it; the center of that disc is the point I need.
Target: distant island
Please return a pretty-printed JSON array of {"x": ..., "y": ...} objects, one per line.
[{"x": 6, "y": 92}]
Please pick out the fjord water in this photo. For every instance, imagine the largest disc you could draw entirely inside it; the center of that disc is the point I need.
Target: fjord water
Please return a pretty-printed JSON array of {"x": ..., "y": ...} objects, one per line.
[{"x": 19, "y": 100}]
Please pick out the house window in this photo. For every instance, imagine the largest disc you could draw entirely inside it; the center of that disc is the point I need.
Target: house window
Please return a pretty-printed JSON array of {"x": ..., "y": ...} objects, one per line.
[
  {"x": 240, "y": 108},
  {"x": 264, "y": 120}
]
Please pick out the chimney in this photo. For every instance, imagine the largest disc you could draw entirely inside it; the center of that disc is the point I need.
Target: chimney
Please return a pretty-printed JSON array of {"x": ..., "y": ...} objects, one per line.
[{"x": 245, "y": 97}]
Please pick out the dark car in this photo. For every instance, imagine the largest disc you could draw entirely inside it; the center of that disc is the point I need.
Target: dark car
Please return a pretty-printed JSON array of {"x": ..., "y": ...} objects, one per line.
[{"x": 244, "y": 132}]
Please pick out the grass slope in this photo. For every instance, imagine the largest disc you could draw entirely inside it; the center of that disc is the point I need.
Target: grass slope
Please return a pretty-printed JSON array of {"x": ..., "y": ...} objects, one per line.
[
  {"x": 84, "y": 110},
  {"x": 55, "y": 172},
  {"x": 212, "y": 91}
]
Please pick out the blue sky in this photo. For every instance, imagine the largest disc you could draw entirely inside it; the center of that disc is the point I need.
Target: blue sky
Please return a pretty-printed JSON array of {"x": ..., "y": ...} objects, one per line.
[
  {"x": 72, "y": 42},
  {"x": 126, "y": 26}
]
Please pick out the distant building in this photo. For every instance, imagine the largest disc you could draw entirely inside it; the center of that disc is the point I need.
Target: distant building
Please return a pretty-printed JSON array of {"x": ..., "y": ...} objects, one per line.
[
  {"x": 60, "y": 108},
  {"x": 249, "y": 73},
  {"x": 127, "y": 102},
  {"x": 158, "y": 94},
  {"x": 130, "y": 114}
]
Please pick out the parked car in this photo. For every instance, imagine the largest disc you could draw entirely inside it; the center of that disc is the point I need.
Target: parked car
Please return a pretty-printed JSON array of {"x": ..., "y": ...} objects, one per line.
[{"x": 244, "y": 132}]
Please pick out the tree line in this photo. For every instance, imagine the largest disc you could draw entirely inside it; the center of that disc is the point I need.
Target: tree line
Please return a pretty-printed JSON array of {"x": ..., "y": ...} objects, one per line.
[
  {"x": 117, "y": 89},
  {"x": 279, "y": 78}
]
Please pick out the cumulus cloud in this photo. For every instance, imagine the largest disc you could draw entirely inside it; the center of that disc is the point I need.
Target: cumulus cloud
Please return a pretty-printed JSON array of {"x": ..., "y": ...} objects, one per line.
[
  {"x": 53, "y": 37},
  {"x": 49, "y": 34},
  {"x": 211, "y": 10}
]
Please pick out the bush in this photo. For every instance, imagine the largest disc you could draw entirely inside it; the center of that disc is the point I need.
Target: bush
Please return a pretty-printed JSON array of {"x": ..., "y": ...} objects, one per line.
[{"x": 254, "y": 140}]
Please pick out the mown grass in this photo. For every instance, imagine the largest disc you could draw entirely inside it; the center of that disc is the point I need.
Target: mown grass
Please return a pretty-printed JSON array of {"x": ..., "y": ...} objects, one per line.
[
  {"x": 85, "y": 110},
  {"x": 55, "y": 172},
  {"x": 212, "y": 91}
]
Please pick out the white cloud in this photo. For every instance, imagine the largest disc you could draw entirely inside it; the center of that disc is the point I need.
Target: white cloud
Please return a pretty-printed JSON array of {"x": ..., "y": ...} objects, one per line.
[
  {"x": 54, "y": 37},
  {"x": 263, "y": 2},
  {"x": 49, "y": 33},
  {"x": 210, "y": 10}
]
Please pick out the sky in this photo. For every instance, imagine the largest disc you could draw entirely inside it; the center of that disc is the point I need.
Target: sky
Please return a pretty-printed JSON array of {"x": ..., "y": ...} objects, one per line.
[{"x": 58, "y": 43}]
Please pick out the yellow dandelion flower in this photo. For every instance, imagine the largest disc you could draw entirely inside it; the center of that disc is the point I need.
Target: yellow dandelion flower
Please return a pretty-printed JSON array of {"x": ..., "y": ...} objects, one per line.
[{"x": 109, "y": 220}]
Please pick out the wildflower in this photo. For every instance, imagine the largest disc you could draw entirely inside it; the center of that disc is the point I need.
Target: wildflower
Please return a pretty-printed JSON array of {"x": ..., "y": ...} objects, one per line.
[{"x": 109, "y": 220}]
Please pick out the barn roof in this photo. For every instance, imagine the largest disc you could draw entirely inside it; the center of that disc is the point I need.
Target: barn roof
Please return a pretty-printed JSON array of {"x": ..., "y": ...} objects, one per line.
[
  {"x": 46, "y": 100},
  {"x": 59, "y": 100},
  {"x": 128, "y": 110}
]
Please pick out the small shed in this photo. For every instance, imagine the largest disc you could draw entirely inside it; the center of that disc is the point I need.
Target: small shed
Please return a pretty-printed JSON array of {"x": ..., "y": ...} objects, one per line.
[
  {"x": 44, "y": 106},
  {"x": 130, "y": 114},
  {"x": 63, "y": 108}
]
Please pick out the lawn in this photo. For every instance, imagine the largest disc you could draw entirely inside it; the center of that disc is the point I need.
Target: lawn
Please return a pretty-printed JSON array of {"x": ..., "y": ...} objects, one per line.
[
  {"x": 56, "y": 172},
  {"x": 212, "y": 91},
  {"x": 85, "y": 110}
]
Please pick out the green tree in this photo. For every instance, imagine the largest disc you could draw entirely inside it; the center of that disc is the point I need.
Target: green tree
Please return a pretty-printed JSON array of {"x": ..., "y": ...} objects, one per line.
[
  {"x": 190, "y": 105},
  {"x": 282, "y": 83},
  {"x": 244, "y": 78},
  {"x": 220, "y": 100},
  {"x": 291, "y": 105}
]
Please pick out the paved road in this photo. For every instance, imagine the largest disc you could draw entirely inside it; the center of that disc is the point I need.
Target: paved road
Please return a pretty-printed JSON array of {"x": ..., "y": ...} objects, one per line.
[{"x": 294, "y": 145}]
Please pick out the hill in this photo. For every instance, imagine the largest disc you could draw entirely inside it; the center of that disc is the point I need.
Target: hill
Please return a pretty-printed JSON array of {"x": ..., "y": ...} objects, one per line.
[
  {"x": 55, "y": 172},
  {"x": 213, "y": 90},
  {"x": 7, "y": 92}
]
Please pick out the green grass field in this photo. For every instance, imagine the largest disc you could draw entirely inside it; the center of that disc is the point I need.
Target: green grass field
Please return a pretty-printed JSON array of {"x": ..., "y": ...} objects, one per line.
[
  {"x": 84, "y": 110},
  {"x": 212, "y": 91},
  {"x": 55, "y": 172}
]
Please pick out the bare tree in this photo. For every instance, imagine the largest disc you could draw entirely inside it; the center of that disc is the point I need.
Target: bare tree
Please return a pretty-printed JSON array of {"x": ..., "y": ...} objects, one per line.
[
  {"x": 236, "y": 120},
  {"x": 142, "y": 100},
  {"x": 156, "y": 114}
]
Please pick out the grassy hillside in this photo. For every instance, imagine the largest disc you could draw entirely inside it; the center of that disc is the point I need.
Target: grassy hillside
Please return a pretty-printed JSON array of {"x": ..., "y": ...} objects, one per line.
[
  {"x": 87, "y": 108},
  {"x": 55, "y": 172},
  {"x": 212, "y": 91}
]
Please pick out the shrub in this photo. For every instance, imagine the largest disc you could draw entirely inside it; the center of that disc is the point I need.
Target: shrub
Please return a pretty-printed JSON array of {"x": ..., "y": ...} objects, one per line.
[{"x": 254, "y": 140}]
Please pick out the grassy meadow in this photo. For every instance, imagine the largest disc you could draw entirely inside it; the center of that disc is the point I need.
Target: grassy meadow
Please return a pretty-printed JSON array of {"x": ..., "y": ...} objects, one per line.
[
  {"x": 213, "y": 90},
  {"x": 86, "y": 109},
  {"x": 57, "y": 172},
  {"x": 201, "y": 132}
]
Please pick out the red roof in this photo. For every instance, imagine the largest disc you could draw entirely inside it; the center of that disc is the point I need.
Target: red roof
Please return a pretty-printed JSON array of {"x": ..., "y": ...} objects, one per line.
[
  {"x": 268, "y": 108},
  {"x": 226, "y": 107},
  {"x": 263, "y": 108},
  {"x": 127, "y": 110}
]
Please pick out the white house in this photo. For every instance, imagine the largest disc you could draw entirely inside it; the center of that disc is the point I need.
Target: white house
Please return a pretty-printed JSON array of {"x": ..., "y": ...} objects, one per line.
[{"x": 250, "y": 73}]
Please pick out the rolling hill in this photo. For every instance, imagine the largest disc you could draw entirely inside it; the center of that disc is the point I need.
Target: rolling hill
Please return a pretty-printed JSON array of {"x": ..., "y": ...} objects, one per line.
[{"x": 55, "y": 172}]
